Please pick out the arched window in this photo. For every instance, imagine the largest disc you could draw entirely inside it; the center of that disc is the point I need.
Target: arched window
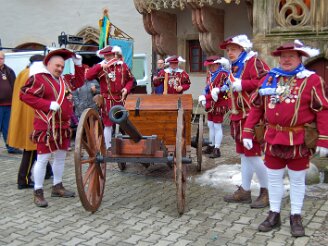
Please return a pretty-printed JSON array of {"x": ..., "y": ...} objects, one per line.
[
  {"x": 29, "y": 47},
  {"x": 91, "y": 38}
]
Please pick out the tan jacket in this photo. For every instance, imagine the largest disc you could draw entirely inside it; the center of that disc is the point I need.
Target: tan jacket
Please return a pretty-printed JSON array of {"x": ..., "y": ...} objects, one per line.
[{"x": 21, "y": 118}]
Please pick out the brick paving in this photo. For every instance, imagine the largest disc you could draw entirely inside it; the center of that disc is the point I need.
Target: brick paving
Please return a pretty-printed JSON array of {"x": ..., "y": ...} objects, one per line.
[{"x": 139, "y": 208}]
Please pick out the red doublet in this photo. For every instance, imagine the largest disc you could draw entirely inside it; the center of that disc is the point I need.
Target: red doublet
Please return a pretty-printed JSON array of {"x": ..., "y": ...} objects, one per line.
[
  {"x": 254, "y": 70},
  {"x": 112, "y": 81},
  {"x": 175, "y": 79},
  {"x": 284, "y": 135},
  {"x": 217, "y": 110},
  {"x": 38, "y": 92}
]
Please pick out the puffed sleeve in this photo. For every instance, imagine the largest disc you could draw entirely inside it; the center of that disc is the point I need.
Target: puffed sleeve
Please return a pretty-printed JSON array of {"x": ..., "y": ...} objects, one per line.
[
  {"x": 32, "y": 92},
  {"x": 319, "y": 104}
]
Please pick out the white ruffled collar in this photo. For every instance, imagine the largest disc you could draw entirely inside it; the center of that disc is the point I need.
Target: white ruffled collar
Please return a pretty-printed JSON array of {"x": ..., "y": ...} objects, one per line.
[
  {"x": 170, "y": 70},
  {"x": 250, "y": 55},
  {"x": 38, "y": 67},
  {"x": 304, "y": 74}
]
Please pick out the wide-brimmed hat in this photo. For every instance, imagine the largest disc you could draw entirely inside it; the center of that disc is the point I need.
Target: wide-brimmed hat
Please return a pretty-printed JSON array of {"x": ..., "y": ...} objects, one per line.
[
  {"x": 174, "y": 59},
  {"x": 117, "y": 49},
  {"x": 211, "y": 60},
  {"x": 296, "y": 46},
  {"x": 224, "y": 62},
  {"x": 64, "y": 53},
  {"x": 241, "y": 40},
  {"x": 108, "y": 50}
]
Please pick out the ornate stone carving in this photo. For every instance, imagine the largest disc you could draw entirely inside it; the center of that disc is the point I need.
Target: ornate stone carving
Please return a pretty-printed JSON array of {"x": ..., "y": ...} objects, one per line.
[
  {"x": 291, "y": 13},
  {"x": 209, "y": 21},
  {"x": 164, "y": 39},
  {"x": 210, "y": 24},
  {"x": 146, "y": 6}
]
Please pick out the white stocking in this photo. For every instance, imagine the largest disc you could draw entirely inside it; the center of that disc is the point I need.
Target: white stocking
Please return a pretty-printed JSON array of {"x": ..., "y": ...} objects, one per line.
[
  {"x": 297, "y": 190},
  {"x": 276, "y": 188},
  {"x": 39, "y": 170},
  {"x": 246, "y": 173},
  {"x": 211, "y": 132},
  {"x": 108, "y": 136},
  {"x": 218, "y": 134},
  {"x": 259, "y": 168},
  {"x": 58, "y": 166}
]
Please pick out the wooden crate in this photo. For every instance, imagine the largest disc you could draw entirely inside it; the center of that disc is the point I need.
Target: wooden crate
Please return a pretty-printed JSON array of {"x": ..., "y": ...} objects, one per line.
[{"x": 157, "y": 115}]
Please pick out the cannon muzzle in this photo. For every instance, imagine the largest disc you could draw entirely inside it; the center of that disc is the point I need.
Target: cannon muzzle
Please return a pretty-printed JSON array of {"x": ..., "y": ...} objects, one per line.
[{"x": 119, "y": 115}]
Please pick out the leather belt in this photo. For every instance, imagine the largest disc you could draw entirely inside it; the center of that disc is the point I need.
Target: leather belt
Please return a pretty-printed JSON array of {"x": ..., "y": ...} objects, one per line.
[{"x": 286, "y": 128}]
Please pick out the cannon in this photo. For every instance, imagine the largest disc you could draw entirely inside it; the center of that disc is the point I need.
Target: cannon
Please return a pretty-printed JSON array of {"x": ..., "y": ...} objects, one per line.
[
  {"x": 156, "y": 129},
  {"x": 119, "y": 115}
]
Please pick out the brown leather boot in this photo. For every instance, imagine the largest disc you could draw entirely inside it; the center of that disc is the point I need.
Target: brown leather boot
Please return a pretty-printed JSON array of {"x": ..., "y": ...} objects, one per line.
[
  {"x": 239, "y": 196},
  {"x": 262, "y": 200},
  {"x": 208, "y": 150},
  {"x": 58, "y": 190},
  {"x": 296, "y": 227},
  {"x": 39, "y": 200},
  {"x": 272, "y": 221},
  {"x": 216, "y": 153}
]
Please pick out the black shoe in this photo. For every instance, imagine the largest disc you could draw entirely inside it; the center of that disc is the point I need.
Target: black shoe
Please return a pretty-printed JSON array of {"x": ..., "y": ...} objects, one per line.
[
  {"x": 48, "y": 176},
  {"x": 15, "y": 151},
  {"x": 209, "y": 149},
  {"x": 49, "y": 172},
  {"x": 25, "y": 186},
  {"x": 216, "y": 153}
]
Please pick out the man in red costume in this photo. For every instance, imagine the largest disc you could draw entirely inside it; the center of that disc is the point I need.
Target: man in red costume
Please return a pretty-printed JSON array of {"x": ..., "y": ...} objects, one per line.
[
  {"x": 174, "y": 79},
  {"x": 217, "y": 105},
  {"x": 290, "y": 97},
  {"x": 49, "y": 94},
  {"x": 116, "y": 82},
  {"x": 246, "y": 71}
]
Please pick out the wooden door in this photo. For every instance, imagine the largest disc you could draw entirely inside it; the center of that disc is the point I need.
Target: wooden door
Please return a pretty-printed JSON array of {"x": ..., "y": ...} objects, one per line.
[{"x": 320, "y": 66}]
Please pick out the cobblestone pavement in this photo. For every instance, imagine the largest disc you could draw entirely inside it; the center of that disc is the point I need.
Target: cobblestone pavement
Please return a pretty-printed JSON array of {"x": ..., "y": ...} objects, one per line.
[{"x": 139, "y": 208}]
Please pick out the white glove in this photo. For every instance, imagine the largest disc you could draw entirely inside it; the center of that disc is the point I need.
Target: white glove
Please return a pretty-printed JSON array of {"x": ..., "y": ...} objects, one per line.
[
  {"x": 214, "y": 93},
  {"x": 77, "y": 60},
  {"x": 236, "y": 86},
  {"x": 54, "y": 106},
  {"x": 202, "y": 100},
  {"x": 322, "y": 151},
  {"x": 248, "y": 143}
]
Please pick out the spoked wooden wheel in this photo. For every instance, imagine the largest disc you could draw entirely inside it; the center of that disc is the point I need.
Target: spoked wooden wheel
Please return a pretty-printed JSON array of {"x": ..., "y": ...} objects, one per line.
[
  {"x": 90, "y": 168},
  {"x": 199, "y": 138},
  {"x": 179, "y": 168}
]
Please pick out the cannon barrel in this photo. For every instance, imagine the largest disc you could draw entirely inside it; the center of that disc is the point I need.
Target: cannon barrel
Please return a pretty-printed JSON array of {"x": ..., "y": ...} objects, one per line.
[{"x": 119, "y": 115}]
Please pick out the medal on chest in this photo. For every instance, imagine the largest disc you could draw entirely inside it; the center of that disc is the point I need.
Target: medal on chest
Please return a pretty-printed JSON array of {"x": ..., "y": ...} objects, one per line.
[
  {"x": 173, "y": 81},
  {"x": 271, "y": 105},
  {"x": 286, "y": 92},
  {"x": 112, "y": 76},
  {"x": 273, "y": 102},
  {"x": 4, "y": 77}
]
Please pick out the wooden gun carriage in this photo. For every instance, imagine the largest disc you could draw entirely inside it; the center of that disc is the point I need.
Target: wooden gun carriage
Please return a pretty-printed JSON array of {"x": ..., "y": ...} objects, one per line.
[{"x": 158, "y": 129}]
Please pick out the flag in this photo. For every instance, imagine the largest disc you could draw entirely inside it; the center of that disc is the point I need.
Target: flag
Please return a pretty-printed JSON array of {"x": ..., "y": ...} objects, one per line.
[{"x": 104, "y": 26}]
